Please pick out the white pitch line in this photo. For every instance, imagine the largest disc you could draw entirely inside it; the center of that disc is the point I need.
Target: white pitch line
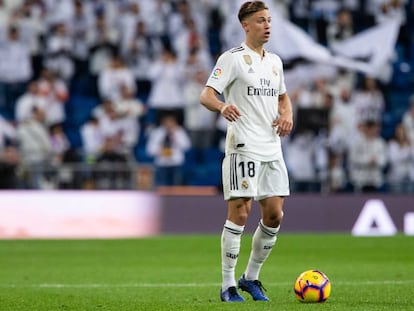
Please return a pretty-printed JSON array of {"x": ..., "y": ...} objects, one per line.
[
  {"x": 385, "y": 282},
  {"x": 185, "y": 285}
]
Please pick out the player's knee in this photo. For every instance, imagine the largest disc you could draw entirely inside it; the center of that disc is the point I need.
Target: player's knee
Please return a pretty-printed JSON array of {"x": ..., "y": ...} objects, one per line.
[
  {"x": 242, "y": 218},
  {"x": 240, "y": 212},
  {"x": 278, "y": 220},
  {"x": 242, "y": 215},
  {"x": 273, "y": 219}
]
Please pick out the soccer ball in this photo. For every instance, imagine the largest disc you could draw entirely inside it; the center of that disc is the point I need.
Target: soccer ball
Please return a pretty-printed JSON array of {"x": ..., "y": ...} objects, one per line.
[{"x": 312, "y": 286}]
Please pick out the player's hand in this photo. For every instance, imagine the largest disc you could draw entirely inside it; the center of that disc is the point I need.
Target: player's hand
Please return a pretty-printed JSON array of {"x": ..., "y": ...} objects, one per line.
[
  {"x": 230, "y": 112},
  {"x": 283, "y": 125}
]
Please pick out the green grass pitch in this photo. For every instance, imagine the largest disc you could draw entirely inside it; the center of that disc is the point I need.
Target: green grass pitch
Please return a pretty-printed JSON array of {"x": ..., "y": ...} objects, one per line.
[{"x": 183, "y": 273}]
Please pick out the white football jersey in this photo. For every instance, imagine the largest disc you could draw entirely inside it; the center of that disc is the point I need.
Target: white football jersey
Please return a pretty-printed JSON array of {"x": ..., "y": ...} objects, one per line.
[{"x": 252, "y": 84}]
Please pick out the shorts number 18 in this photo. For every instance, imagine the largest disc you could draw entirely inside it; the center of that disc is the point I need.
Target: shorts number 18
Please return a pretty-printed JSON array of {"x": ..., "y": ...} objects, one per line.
[{"x": 250, "y": 168}]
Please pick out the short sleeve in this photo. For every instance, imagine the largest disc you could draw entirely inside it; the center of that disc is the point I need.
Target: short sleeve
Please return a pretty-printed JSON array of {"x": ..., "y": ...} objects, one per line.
[{"x": 223, "y": 73}]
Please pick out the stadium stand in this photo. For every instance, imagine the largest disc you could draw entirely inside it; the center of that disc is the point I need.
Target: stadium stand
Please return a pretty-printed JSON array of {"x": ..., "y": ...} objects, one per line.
[{"x": 197, "y": 31}]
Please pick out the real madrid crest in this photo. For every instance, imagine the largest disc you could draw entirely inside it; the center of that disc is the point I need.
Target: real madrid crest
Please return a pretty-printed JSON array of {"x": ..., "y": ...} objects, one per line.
[
  {"x": 245, "y": 185},
  {"x": 274, "y": 69},
  {"x": 247, "y": 59}
]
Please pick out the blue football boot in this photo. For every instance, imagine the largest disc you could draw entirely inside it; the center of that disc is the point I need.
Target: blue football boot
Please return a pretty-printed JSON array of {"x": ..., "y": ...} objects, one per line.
[
  {"x": 231, "y": 295},
  {"x": 254, "y": 288}
]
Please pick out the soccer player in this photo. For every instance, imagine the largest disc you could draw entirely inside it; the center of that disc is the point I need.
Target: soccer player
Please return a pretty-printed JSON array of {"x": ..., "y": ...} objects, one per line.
[{"x": 259, "y": 111}]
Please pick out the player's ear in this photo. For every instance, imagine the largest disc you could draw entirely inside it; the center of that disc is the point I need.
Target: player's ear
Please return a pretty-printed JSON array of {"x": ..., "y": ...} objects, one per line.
[{"x": 245, "y": 24}]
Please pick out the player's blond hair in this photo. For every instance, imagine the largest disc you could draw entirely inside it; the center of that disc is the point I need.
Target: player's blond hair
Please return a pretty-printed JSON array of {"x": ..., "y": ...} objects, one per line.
[{"x": 250, "y": 7}]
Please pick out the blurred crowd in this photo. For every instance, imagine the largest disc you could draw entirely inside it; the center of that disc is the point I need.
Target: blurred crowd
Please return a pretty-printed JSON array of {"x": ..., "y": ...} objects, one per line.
[{"x": 90, "y": 89}]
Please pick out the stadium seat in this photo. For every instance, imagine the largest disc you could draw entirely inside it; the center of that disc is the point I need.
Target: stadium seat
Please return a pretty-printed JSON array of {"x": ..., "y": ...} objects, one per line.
[
  {"x": 141, "y": 155},
  {"x": 73, "y": 135},
  {"x": 402, "y": 71},
  {"x": 397, "y": 100},
  {"x": 204, "y": 175},
  {"x": 412, "y": 55},
  {"x": 79, "y": 108},
  {"x": 212, "y": 155}
]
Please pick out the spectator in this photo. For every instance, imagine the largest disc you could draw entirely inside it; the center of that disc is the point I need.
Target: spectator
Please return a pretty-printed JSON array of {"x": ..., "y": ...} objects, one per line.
[
  {"x": 337, "y": 179},
  {"x": 302, "y": 160},
  {"x": 59, "y": 52},
  {"x": 29, "y": 19},
  {"x": 56, "y": 93},
  {"x": 367, "y": 159},
  {"x": 188, "y": 40},
  {"x": 401, "y": 159},
  {"x": 159, "y": 10},
  {"x": 92, "y": 140},
  {"x": 167, "y": 78},
  {"x": 110, "y": 10},
  {"x": 386, "y": 10},
  {"x": 58, "y": 11},
  {"x": 167, "y": 144},
  {"x": 214, "y": 29},
  {"x": 113, "y": 78},
  {"x": 199, "y": 121},
  {"x": 182, "y": 11},
  {"x": 299, "y": 13},
  {"x": 322, "y": 12},
  {"x": 102, "y": 40},
  {"x": 343, "y": 125},
  {"x": 369, "y": 101},
  {"x": 128, "y": 105},
  {"x": 30, "y": 99},
  {"x": 315, "y": 96},
  {"x": 197, "y": 60},
  {"x": 119, "y": 131},
  {"x": 99, "y": 111},
  {"x": 15, "y": 70},
  {"x": 408, "y": 121},
  {"x": 130, "y": 14},
  {"x": 344, "y": 79},
  {"x": 34, "y": 147},
  {"x": 9, "y": 155},
  {"x": 80, "y": 24},
  {"x": 119, "y": 136},
  {"x": 341, "y": 28},
  {"x": 59, "y": 144},
  {"x": 63, "y": 159},
  {"x": 139, "y": 54},
  {"x": 93, "y": 146}
]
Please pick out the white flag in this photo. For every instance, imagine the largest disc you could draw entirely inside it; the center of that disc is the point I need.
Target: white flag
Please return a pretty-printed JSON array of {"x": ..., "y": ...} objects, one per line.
[
  {"x": 287, "y": 40},
  {"x": 369, "y": 51},
  {"x": 374, "y": 47},
  {"x": 290, "y": 41}
]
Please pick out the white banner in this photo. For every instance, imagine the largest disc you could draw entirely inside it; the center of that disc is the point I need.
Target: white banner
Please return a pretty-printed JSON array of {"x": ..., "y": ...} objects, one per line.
[
  {"x": 369, "y": 51},
  {"x": 376, "y": 45}
]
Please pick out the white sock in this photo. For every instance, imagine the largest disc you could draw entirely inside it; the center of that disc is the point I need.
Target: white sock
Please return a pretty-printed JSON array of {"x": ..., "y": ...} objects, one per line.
[
  {"x": 264, "y": 239},
  {"x": 230, "y": 248}
]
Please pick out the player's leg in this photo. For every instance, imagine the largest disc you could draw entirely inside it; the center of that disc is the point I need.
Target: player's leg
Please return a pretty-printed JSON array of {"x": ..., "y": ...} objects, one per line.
[
  {"x": 238, "y": 210},
  {"x": 239, "y": 201},
  {"x": 264, "y": 238},
  {"x": 273, "y": 185},
  {"x": 265, "y": 235}
]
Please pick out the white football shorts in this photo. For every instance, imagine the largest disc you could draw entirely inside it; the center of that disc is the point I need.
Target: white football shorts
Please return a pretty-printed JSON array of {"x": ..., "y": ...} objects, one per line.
[{"x": 244, "y": 177}]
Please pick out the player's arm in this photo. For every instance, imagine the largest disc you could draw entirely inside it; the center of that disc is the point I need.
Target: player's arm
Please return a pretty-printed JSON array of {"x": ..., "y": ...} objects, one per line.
[
  {"x": 209, "y": 99},
  {"x": 284, "y": 123}
]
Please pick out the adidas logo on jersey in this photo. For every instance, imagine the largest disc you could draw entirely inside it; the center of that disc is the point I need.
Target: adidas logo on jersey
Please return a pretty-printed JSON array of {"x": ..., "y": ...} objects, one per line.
[{"x": 251, "y": 70}]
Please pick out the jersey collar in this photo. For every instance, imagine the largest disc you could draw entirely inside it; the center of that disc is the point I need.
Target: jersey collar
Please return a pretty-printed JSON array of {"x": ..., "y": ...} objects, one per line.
[{"x": 244, "y": 45}]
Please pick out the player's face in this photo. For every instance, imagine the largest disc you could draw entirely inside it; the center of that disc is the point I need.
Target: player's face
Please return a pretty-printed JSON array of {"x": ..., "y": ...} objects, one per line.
[{"x": 258, "y": 26}]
